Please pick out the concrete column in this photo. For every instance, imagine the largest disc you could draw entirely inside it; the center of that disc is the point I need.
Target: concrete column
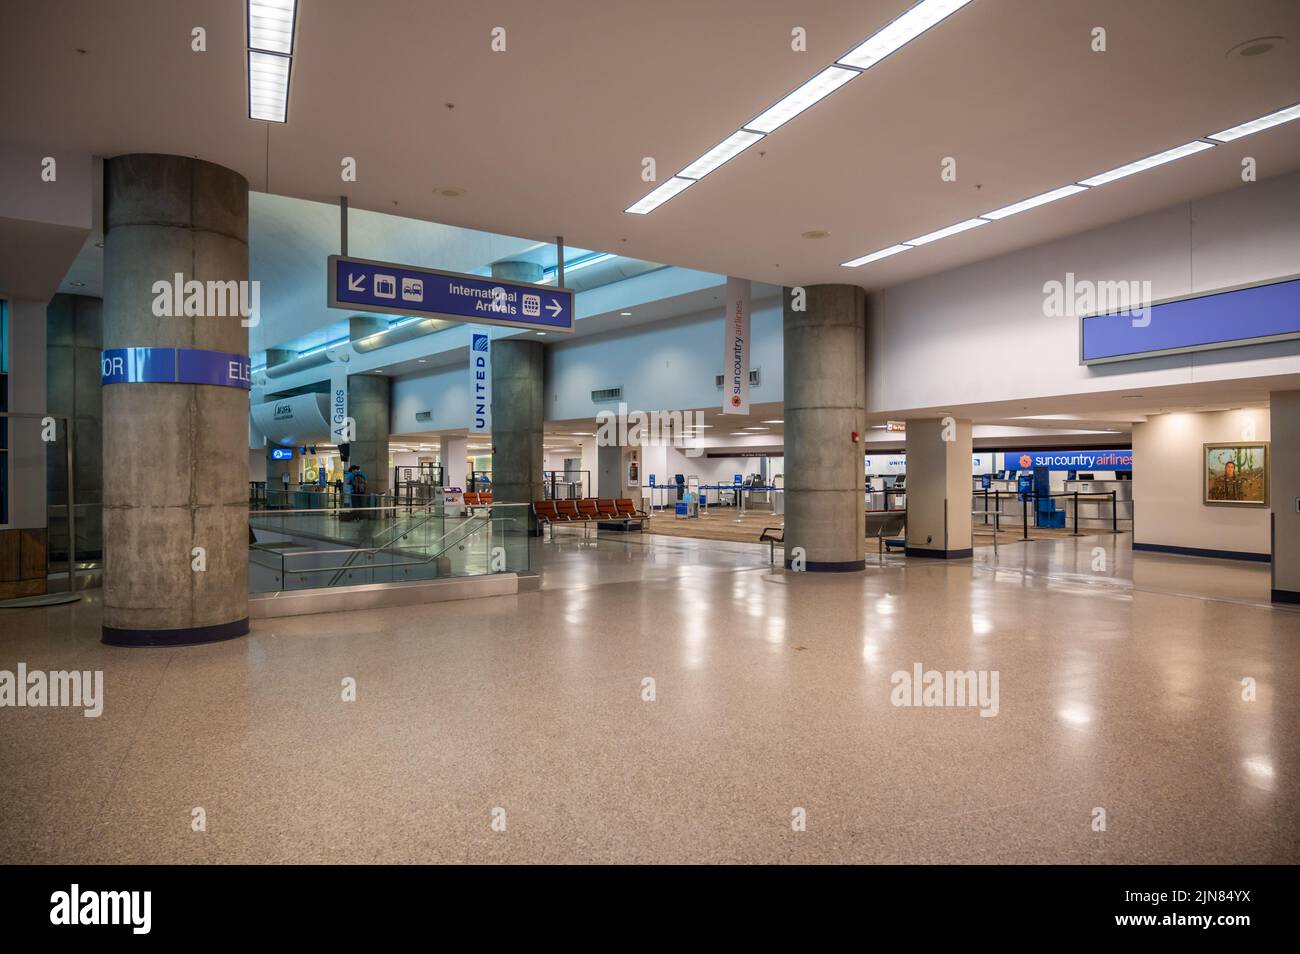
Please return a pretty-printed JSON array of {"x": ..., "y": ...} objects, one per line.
[
  {"x": 825, "y": 401},
  {"x": 939, "y": 488},
  {"x": 455, "y": 461},
  {"x": 1284, "y": 493},
  {"x": 369, "y": 399},
  {"x": 74, "y": 337},
  {"x": 175, "y": 472},
  {"x": 517, "y": 412},
  {"x": 517, "y": 421}
]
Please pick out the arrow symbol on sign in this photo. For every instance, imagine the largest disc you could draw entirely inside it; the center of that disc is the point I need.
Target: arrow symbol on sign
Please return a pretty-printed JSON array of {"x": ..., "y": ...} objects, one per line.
[
  {"x": 554, "y": 307},
  {"x": 356, "y": 283}
]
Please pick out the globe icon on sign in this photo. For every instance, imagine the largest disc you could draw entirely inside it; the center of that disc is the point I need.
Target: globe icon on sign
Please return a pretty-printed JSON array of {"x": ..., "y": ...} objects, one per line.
[
  {"x": 735, "y": 400},
  {"x": 1026, "y": 461}
]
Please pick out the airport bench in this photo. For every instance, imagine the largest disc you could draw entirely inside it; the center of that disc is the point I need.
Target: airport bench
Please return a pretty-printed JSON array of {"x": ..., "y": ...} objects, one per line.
[
  {"x": 885, "y": 525},
  {"x": 772, "y": 536},
  {"x": 588, "y": 510},
  {"x": 480, "y": 499}
]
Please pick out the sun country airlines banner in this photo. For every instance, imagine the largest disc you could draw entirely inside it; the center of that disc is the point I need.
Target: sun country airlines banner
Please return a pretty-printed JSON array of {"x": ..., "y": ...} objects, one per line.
[
  {"x": 480, "y": 383},
  {"x": 735, "y": 349}
]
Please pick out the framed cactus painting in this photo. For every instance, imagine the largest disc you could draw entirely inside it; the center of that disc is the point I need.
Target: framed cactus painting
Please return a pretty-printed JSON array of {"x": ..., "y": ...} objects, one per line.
[{"x": 1236, "y": 475}]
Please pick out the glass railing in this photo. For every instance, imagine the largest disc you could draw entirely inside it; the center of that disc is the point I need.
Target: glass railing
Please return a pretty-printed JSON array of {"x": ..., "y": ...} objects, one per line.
[{"x": 426, "y": 546}]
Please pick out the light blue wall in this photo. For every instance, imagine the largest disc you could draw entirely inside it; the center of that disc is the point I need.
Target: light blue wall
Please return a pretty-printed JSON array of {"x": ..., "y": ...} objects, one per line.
[{"x": 669, "y": 365}]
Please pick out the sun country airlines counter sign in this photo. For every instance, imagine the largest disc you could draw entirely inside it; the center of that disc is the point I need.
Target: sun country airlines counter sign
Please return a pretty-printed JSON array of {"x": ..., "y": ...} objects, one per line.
[{"x": 361, "y": 285}]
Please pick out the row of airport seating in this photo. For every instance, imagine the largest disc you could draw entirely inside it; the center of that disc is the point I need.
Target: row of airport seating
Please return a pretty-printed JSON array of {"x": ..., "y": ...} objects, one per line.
[{"x": 589, "y": 510}]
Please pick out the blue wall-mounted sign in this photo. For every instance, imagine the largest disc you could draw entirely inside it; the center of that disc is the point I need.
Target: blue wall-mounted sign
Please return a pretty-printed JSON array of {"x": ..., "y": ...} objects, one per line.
[
  {"x": 1221, "y": 319},
  {"x": 362, "y": 285},
  {"x": 175, "y": 366},
  {"x": 1068, "y": 460},
  {"x": 281, "y": 453}
]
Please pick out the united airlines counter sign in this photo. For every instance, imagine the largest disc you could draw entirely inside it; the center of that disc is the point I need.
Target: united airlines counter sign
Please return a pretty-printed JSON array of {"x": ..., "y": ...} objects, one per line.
[
  {"x": 175, "y": 366},
  {"x": 390, "y": 289}
]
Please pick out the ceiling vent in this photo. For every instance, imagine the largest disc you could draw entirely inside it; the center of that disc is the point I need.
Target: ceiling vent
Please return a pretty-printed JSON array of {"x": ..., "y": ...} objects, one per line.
[
  {"x": 753, "y": 379},
  {"x": 604, "y": 395}
]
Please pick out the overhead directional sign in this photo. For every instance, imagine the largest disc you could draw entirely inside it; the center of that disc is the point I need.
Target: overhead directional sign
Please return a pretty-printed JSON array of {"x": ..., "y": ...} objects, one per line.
[{"x": 362, "y": 285}]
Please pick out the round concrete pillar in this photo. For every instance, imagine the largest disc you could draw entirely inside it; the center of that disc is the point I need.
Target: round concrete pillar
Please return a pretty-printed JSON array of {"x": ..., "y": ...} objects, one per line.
[
  {"x": 825, "y": 405},
  {"x": 175, "y": 451},
  {"x": 517, "y": 421}
]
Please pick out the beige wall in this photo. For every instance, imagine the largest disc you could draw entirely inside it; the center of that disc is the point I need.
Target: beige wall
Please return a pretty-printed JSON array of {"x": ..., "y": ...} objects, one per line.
[
  {"x": 1285, "y": 424},
  {"x": 938, "y": 475},
  {"x": 1168, "y": 489}
]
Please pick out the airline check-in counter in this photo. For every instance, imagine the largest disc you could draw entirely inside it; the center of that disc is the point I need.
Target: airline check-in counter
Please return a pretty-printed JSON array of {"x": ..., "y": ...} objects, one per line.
[{"x": 1096, "y": 504}]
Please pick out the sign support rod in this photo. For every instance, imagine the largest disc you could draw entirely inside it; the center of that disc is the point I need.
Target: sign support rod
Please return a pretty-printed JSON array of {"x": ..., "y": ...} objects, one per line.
[
  {"x": 559, "y": 261},
  {"x": 343, "y": 225}
]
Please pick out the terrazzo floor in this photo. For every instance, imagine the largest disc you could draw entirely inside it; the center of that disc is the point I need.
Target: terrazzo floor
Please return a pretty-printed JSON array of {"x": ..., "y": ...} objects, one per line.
[{"x": 1120, "y": 689}]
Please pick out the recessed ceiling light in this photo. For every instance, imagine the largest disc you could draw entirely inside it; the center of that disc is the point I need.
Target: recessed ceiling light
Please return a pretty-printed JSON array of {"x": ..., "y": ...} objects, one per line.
[
  {"x": 541, "y": 334},
  {"x": 78, "y": 284},
  {"x": 900, "y": 32},
  {"x": 774, "y": 422},
  {"x": 815, "y": 234},
  {"x": 421, "y": 361},
  {"x": 729, "y": 148},
  {"x": 659, "y": 196},
  {"x": 1256, "y": 47},
  {"x": 1257, "y": 125},
  {"x": 1025, "y": 205},
  {"x": 876, "y": 256},
  {"x": 625, "y": 314},
  {"x": 1150, "y": 162},
  {"x": 929, "y": 237},
  {"x": 758, "y": 428},
  {"x": 809, "y": 94},
  {"x": 449, "y": 192}
]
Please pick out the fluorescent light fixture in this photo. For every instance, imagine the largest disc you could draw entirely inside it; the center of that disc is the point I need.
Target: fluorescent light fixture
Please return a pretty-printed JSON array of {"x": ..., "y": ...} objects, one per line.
[
  {"x": 1256, "y": 125},
  {"x": 758, "y": 428},
  {"x": 268, "y": 86},
  {"x": 585, "y": 262},
  {"x": 900, "y": 32},
  {"x": 809, "y": 94},
  {"x": 1141, "y": 165},
  {"x": 270, "y": 58},
  {"x": 660, "y": 195},
  {"x": 876, "y": 256},
  {"x": 774, "y": 422},
  {"x": 729, "y": 148},
  {"x": 1026, "y": 204},
  {"x": 270, "y": 26},
  {"x": 944, "y": 233}
]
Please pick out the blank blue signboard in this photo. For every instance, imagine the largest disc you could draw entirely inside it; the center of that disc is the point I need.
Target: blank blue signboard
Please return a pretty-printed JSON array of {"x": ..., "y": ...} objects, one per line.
[{"x": 1223, "y": 319}]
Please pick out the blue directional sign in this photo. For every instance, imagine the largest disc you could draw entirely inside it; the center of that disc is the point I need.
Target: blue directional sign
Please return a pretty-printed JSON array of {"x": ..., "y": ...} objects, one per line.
[{"x": 362, "y": 285}]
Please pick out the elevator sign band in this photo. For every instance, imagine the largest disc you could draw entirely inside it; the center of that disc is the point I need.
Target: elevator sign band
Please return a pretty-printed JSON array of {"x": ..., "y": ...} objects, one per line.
[
  {"x": 361, "y": 285},
  {"x": 174, "y": 366}
]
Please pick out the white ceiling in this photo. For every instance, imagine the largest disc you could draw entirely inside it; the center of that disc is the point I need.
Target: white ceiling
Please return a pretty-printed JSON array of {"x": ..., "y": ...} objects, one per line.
[{"x": 547, "y": 138}]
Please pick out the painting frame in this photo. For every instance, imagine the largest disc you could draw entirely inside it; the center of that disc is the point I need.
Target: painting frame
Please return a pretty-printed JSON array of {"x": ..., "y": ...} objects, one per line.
[{"x": 1209, "y": 478}]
